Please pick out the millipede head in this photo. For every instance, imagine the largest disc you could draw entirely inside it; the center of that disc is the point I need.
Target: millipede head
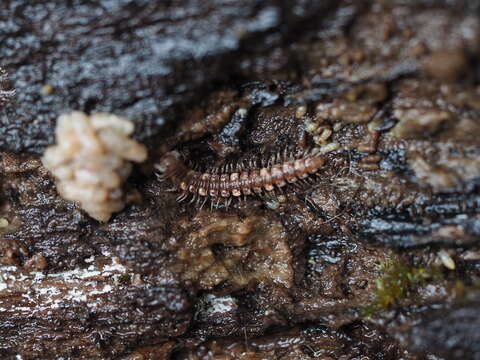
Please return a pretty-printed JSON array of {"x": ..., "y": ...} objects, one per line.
[{"x": 168, "y": 162}]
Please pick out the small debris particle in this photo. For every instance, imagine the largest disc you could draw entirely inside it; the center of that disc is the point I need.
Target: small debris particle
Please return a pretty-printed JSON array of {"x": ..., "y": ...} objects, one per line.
[
  {"x": 272, "y": 204},
  {"x": 47, "y": 90},
  {"x": 36, "y": 262},
  {"x": 325, "y": 149},
  {"x": 3, "y": 223},
  {"x": 446, "y": 259},
  {"x": 301, "y": 111}
]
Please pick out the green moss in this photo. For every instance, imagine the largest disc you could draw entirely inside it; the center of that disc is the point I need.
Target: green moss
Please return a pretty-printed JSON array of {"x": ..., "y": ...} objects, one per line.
[
  {"x": 124, "y": 279},
  {"x": 397, "y": 282}
]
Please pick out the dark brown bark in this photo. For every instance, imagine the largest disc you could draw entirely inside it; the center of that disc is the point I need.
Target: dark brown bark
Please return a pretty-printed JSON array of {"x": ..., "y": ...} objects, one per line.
[{"x": 387, "y": 89}]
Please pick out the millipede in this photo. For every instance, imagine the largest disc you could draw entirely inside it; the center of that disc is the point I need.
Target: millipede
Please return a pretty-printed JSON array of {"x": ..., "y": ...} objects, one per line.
[{"x": 239, "y": 180}]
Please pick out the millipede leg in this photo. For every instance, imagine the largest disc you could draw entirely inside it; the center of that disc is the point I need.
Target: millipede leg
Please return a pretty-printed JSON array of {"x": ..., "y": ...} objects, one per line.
[
  {"x": 303, "y": 183},
  {"x": 310, "y": 203},
  {"x": 204, "y": 201},
  {"x": 182, "y": 196},
  {"x": 308, "y": 180}
]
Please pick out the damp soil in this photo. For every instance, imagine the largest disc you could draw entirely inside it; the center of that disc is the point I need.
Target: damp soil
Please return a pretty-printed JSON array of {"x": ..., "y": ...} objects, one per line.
[{"x": 379, "y": 258}]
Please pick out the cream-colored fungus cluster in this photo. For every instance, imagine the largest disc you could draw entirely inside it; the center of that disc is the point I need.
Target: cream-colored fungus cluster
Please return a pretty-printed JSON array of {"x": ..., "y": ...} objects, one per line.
[{"x": 92, "y": 159}]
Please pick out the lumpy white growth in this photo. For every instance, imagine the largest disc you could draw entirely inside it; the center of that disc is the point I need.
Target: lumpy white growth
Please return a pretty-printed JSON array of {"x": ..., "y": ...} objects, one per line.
[{"x": 92, "y": 159}]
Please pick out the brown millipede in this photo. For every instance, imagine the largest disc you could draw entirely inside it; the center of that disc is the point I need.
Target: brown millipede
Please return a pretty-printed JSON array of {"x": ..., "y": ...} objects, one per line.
[{"x": 232, "y": 181}]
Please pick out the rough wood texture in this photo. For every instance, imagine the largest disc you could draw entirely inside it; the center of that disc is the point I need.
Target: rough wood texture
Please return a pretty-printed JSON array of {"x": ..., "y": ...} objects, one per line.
[
  {"x": 136, "y": 58},
  {"x": 353, "y": 266}
]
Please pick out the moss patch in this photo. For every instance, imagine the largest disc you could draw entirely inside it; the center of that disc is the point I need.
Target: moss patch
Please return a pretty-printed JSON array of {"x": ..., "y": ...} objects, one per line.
[{"x": 397, "y": 282}]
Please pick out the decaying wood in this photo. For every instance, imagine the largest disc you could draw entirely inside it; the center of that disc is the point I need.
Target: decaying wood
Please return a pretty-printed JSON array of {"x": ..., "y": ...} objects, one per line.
[{"x": 293, "y": 276}]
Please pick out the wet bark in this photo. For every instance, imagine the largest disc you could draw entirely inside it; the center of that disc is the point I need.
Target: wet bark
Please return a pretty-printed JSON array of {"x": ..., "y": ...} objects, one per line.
[{"x": 354, "y": 264}]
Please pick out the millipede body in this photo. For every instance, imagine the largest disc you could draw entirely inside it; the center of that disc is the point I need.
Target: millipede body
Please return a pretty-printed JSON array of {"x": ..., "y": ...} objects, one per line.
[{"x": 232, "y": 181}]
